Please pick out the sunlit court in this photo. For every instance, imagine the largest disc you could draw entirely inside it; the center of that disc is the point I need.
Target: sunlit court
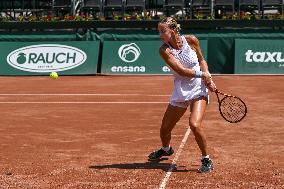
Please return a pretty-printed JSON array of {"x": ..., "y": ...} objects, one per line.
[
  {"x": 142, "y": 94},
  {"x": 97, "y": 131}
]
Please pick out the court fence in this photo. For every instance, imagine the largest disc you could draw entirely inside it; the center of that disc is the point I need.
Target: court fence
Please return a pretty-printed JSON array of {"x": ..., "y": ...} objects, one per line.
[{"x": 137, "y": 52}]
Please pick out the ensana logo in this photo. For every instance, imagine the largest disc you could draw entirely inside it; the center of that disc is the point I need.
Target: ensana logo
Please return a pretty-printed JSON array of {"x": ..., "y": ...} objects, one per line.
[
  {"x": 128, "y": 69},
  {"x": 129, "y": 52}
]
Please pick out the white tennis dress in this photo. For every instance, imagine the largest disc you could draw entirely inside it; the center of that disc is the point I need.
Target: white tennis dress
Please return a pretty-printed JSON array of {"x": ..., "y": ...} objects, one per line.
[{"x": 186, "y": 88}]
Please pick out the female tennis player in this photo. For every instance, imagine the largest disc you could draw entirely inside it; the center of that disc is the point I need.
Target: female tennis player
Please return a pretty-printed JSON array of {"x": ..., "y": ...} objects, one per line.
[{"x": 191, "y": 80}]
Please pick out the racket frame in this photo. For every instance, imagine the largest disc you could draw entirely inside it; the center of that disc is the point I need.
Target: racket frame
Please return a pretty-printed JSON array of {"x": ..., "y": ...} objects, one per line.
[{"x": 220, "y": 102}]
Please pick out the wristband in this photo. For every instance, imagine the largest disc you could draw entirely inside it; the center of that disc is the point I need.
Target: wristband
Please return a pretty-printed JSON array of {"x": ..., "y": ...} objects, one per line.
[{"x": 198, "y": 74}]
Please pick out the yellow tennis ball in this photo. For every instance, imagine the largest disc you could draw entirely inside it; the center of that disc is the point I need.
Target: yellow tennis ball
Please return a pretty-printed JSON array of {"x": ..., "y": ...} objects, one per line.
[{"x": 53, "y": 75}]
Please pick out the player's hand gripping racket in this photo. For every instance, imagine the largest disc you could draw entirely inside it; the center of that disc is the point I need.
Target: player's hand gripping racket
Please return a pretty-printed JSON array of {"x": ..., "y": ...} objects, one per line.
[{"x": 231, "y": 108}]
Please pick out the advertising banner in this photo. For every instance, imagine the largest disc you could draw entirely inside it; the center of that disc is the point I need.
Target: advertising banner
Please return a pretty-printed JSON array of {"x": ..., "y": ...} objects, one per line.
[
  {"x": 41, "y": 58},
  {"x": 259, "y": 56},
  {"x": 136, "y": 57}
]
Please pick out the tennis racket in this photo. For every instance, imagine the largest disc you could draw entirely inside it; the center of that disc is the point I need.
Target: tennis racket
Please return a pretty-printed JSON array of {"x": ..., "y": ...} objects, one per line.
[{"x": 231, "y": 108}]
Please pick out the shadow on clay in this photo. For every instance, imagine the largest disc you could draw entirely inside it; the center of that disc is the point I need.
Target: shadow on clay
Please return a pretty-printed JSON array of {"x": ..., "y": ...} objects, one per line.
[{"x": 147, "y": 165}]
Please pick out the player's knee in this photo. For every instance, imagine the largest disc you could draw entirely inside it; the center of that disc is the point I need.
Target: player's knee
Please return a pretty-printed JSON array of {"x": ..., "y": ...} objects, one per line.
[{"x": 193, "y": 125}]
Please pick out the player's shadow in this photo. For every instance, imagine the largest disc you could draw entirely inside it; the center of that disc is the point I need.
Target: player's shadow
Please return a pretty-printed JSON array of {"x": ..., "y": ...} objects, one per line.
[{"x": 147, "y": 165}]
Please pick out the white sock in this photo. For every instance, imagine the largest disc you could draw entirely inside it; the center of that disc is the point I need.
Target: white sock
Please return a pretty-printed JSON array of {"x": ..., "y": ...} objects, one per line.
[
  {"x": 166, "y": 148},
  {"x": 207, "y": 156}
]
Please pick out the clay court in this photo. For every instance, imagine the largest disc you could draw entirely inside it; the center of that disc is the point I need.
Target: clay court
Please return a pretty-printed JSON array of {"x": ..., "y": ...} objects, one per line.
[{"x": 97, "y": 131}]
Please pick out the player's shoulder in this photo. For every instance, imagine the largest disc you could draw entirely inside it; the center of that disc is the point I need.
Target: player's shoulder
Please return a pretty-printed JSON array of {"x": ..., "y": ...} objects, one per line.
[{"x": 192, "y": 39}]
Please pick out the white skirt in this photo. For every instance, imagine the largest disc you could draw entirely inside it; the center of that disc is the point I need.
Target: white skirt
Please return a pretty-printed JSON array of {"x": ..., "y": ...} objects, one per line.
[{"x": 186, "y": 90}]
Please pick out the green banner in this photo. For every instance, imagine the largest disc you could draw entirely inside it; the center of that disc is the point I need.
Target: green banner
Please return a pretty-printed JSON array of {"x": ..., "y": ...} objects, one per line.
[
  {"x": 136, "y": 57},
  {"x": 41, "y": 58},
  {"x": 259, "y": 56}
]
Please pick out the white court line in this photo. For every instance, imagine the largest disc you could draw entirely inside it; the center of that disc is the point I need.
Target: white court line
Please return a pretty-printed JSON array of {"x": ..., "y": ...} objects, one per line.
[
  {"x": 78, "y": 94},
  {"x": 173, "y": 165},
  {"x": 62, "y": 102}
]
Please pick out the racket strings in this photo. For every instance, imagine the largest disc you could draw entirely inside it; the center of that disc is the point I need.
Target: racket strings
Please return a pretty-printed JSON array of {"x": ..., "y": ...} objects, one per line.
[{"x": 233, "y": 109}]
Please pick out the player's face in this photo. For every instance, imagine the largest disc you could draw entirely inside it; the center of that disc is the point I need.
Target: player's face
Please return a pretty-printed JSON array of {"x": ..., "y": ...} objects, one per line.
[{"x": 165, "y": 32}]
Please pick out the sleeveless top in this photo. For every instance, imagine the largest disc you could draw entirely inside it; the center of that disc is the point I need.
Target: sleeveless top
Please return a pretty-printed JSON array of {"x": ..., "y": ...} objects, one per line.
[{"x": 187, "y": 88}]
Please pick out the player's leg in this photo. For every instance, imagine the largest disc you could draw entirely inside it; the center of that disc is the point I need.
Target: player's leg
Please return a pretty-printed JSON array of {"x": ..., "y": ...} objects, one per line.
[
  {"x": 171, "y": 117},
  {"x": 198, "y": 107}
]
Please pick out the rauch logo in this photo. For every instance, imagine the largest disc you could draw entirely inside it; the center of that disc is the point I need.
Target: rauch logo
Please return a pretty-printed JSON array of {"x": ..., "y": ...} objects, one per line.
[{"x": 46, "y": 58}]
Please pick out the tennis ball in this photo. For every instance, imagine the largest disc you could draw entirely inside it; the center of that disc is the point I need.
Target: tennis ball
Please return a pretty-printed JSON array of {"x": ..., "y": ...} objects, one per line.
[{"x": 53, "y": 75}]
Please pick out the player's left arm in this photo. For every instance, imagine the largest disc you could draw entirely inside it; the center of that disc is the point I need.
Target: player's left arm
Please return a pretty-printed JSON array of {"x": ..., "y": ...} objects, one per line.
[{"x": 194, "y": 43}]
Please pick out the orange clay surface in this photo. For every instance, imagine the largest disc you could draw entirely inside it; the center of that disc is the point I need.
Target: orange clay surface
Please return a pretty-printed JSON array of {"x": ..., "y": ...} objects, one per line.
[{"x": 97, "y": 131}]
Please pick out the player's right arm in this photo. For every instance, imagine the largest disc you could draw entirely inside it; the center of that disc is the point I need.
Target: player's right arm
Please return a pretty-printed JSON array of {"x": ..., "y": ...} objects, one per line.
[{"x": 174, "y": 63}]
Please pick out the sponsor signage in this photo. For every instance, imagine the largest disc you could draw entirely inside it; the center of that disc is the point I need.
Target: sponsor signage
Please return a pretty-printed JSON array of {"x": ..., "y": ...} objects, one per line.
[
  {"x": 41, "y": 58},
  {"x": 259, "y": 56},
  {"x": 136, "y": 57}
]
